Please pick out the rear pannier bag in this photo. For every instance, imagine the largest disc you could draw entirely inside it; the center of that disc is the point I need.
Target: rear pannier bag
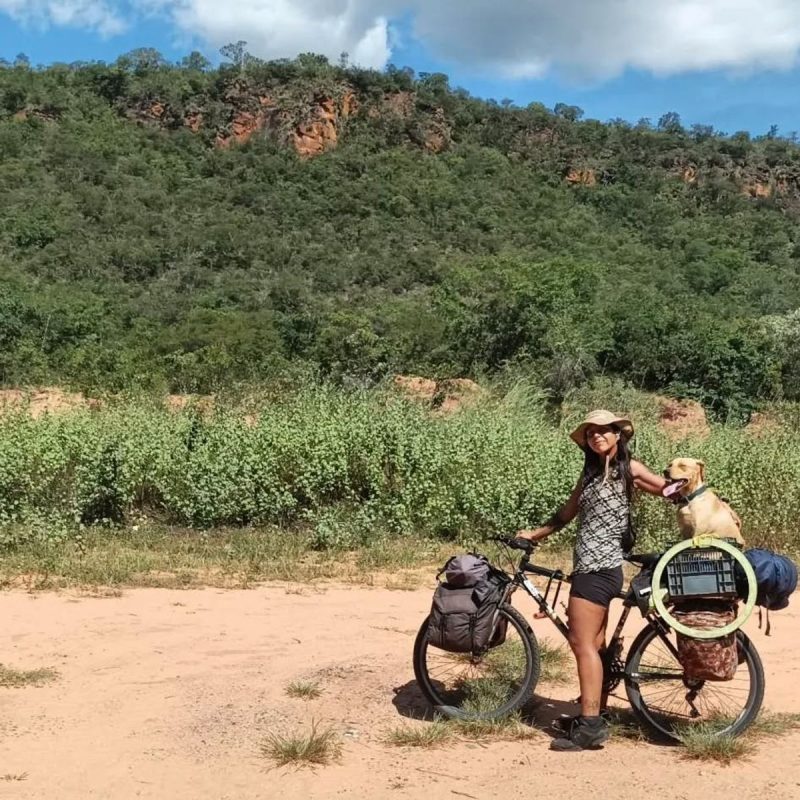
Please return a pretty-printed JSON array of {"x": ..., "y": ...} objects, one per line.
[
  {"x": 464, "y": 614},
  {"x": 707, "y": 659}
]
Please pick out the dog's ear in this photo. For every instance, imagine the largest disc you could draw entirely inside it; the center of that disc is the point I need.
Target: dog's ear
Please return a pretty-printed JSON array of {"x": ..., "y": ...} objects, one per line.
[{"x": 702, "y": 467}]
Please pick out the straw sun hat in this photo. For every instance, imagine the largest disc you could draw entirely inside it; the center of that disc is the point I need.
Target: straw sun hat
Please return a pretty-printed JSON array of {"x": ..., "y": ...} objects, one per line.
[{"x": 601, "y": 417}]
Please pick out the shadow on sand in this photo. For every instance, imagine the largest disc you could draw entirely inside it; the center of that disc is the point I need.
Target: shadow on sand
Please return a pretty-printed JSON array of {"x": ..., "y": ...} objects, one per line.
[{"x": 539, "y": 713}]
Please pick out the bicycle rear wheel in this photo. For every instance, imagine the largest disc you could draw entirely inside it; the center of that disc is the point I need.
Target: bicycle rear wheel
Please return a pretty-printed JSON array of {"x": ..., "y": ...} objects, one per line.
[
  {"x": 670, "y": 705},
  {"x": 488, "y": 686}
]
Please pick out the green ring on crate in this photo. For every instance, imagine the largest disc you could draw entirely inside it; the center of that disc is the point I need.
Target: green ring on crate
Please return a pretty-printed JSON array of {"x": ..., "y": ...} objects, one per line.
[{"x": 658, "y": 595}]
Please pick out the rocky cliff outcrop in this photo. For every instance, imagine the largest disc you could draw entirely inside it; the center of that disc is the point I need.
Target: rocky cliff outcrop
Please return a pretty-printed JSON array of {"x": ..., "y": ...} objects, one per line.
[
  {"x": 581, "y": 177},
  {"x": 320, "y": 132},
  {"x": 311, "y": 122}
]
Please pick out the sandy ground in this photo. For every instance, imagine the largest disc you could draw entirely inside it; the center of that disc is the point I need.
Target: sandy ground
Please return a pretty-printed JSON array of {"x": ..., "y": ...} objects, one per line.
[{"x": 168, "y": 694}]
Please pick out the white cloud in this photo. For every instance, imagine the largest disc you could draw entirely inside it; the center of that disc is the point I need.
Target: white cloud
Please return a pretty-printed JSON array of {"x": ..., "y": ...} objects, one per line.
[
  {"x": 522, "y": 38},
  {"x": 284, "y": 28},
  {"x": 591, "y": 39},
  {"x": 95, "y": 15},
  {"x": 601, "y": 38}
]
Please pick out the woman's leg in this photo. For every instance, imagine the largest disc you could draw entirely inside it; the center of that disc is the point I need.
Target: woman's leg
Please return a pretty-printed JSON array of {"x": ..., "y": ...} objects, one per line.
[
  {"x": 601, "y": 634},
  {"x": 601, "y": 649},
  {"x": 586, "y": 623}
]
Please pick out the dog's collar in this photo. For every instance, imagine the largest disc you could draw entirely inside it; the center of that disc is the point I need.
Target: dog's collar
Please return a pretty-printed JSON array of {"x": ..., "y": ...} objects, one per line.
[{"x": 684, "y": 501}]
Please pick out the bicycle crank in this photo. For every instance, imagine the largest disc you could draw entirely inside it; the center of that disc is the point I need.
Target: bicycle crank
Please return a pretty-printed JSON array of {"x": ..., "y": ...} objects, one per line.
[{"x": 613, "y": 667}]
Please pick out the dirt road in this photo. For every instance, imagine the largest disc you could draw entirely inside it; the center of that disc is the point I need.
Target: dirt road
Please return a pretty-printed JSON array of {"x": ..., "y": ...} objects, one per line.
[{"x": 168, "y": 694}]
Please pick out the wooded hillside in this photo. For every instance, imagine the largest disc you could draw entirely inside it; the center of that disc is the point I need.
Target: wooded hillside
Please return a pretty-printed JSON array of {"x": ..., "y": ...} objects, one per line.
[{"x": 188, "y": 228}]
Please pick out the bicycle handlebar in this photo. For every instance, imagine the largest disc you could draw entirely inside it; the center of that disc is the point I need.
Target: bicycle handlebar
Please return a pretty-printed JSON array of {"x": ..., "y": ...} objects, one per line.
[{"x": 526, "y": 545}]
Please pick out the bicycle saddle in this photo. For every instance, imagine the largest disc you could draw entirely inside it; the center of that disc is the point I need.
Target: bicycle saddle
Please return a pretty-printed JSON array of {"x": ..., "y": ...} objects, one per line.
[{"x": 645, "y": 560}]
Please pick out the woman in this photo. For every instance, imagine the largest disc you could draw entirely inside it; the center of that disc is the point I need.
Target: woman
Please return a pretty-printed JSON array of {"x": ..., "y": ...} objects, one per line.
[{"x": 602, "y": 500}]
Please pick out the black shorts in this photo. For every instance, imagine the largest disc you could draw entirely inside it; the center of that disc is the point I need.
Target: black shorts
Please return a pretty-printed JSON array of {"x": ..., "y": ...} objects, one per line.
[{"x": 599, "y": 587}]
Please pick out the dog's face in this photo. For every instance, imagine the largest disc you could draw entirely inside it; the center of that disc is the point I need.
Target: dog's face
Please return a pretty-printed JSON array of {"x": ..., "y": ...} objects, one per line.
[{"x": 684, "y": 476}]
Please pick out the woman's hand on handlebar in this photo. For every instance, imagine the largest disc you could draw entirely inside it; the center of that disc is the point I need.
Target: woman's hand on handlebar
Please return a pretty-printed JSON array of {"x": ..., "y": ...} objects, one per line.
[{"x": 532, "y": 535}]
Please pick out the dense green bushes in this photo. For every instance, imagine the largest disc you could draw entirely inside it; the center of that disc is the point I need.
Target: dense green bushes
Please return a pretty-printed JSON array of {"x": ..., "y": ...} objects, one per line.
[{"x": 351, "y": 467}]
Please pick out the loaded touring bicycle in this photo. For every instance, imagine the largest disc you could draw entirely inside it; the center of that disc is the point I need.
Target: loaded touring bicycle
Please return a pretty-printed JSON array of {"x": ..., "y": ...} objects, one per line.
[{"x": 497, "y": 676}]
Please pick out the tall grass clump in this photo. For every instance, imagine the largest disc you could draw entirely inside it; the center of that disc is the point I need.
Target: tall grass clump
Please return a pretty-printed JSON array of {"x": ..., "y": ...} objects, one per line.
[{"x": 350, "y": 465}]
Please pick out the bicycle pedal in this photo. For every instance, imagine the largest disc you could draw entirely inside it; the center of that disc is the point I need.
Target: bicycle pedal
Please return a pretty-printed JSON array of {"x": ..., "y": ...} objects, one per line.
[{"x": 540, "y": 615}]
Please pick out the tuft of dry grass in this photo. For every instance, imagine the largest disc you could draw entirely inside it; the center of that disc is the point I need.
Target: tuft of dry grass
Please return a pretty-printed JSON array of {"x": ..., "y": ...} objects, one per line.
[
  {"x": 770, "y": 724},
  {"x": 318, "y": 747},
  {"x": 703, "y": 743},
  {"x": 440, "y": 732},
  {"x": 423, "y": 735},
  {"x": 304, "y": 690},
  {"x": 163, "y": 556},
  {"x": 18, "y": 678},
  {"x": 9, "y": 776},
  {"x": 405, "y": 582},
  {"x": 510, "y": 728}
]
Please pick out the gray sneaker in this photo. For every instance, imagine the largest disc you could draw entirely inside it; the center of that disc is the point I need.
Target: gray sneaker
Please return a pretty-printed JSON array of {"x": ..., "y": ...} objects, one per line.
[
  {"x": 584, "y": 734},
  {"x": 564, "y": 724}
]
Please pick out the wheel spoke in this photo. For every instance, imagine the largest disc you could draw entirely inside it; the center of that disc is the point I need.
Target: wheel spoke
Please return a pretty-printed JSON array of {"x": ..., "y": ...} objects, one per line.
[
  {"x": 481, "y": 685},
  {"x": 662, "y": 697}
]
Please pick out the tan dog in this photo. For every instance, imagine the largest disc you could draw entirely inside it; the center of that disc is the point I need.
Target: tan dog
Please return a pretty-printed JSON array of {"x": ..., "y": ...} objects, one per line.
[{"x": 700, "y": 512}]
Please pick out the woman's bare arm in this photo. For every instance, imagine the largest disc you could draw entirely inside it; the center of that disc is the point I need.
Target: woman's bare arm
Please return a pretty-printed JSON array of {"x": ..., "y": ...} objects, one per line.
[
  {"x": 645, "y": 480},
  {"x": 562, "y": 517}
]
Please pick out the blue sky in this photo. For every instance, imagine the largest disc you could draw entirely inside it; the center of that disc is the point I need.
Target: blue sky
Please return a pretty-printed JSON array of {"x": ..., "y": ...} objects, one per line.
[{"x": 735, "y": 70}]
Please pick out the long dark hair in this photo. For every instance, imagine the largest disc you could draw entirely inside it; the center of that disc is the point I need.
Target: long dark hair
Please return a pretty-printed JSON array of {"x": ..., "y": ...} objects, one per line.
[{"x": 594, "y": 465}]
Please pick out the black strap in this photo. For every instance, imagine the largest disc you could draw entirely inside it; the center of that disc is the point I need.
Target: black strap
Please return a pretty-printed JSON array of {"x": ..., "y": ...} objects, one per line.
[
  {"x": 684, "y": 501},
  {"x": 768, "y": 629}
]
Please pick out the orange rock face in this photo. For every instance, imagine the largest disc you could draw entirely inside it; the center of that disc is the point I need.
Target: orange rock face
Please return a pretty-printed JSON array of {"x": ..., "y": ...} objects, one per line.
[
  {"x": 321, "y": 132},
  {"x": 400, "y": 103},
  {"x": 437, "y": 136},
  {"x": 193, "y": 121},
  {"x": 49, "y": 400},
  {"x": 442, "y": 397},
  {"x": 416, "y": 387},
  {"x": 757, "y": 189},
  {"x": 204, "y": 403},
  {"x": 581, "y": 177},
  {"x": 243, "y": 126},
  {"x": 682, "y": 419},
  {"x": 349, "y": 105}
]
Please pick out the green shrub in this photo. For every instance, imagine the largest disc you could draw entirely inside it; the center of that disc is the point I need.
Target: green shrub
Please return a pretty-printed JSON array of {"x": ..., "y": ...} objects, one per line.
[{"x": 353, "y": 466}]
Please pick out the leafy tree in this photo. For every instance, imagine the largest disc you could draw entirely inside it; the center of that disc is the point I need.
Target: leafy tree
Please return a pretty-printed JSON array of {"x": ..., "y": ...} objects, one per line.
[
  {"x": 670, "y": 123},
  {"x": 568, "y": 112},
  {"x": 196, "y": 62},
  {"x": 236, "y": 53},
  {"x": 142, "y": 60}
]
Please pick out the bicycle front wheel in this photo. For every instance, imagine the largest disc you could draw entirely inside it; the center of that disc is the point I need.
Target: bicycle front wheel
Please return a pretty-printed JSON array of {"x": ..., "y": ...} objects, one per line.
[
  {"x": 669, "y": 704},
  {"x": 488, "y": 686}
]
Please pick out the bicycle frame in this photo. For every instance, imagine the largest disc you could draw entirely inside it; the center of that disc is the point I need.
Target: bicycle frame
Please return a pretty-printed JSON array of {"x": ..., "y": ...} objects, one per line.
[{"x": 520, "y": 579}]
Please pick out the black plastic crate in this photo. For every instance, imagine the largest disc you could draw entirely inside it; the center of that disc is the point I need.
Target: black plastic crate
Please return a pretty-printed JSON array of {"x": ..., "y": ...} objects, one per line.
[{"x": 704, "y": 572}]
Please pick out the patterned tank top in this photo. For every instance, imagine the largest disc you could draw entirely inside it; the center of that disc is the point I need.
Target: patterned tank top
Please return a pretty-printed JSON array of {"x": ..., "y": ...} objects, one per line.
[{"x": 604, "y": 516}]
